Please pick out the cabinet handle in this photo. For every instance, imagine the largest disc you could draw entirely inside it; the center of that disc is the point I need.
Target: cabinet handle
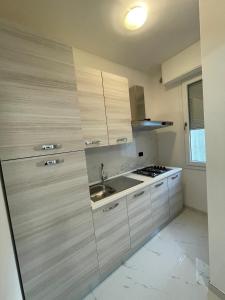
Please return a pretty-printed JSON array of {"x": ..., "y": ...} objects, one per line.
[
  {"x": 48, "y": 163},
  {"x": 174, "y": 177},
  {"x": 121, "y": 140},
  {"x": 139, "y": 194},
  {"x": 110, "y": 207},
  {"x": 159, "y": 184},
  {"x": 49, "y": 146},
  {"x": 96, "y": 142}
]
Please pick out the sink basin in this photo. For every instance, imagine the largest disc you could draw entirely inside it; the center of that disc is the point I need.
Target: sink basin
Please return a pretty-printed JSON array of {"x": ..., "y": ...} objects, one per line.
[
  {"x": 112, "y": 186},
  {"x": 98, "y": 191}
]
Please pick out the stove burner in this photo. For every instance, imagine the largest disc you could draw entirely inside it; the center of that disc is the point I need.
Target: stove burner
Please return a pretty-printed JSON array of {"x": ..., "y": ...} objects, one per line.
[{"x": 152, "y": 171}]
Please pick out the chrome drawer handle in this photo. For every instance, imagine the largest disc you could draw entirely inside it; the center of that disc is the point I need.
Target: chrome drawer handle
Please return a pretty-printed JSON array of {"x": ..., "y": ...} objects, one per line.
[
  {"x": 159, "y": 184},
  {"x": 97, "y": 142},
  {"x": 139, "y": 194},
  {"x": 50, "y": 146},
  {"x": 110, "y": 207},
  {"x": 121, "y": 140},
  {"x": 48, "y": 163},
  {"x": 174, "y": 177}
]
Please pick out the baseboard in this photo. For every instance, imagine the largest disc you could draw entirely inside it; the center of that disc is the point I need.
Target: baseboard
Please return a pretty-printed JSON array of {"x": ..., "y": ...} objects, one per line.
[
  {"x": 216, "y": 291},
  {"x": 196, "y": 210}
]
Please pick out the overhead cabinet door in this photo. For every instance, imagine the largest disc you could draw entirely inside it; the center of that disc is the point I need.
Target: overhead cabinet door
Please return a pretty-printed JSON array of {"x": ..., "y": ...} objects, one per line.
[
  {"x": 117, "y": 102},
  {"x": 92, "y": 107},
  {"x": 39, "y": 112},
  {"x": 52, "y": 224}
]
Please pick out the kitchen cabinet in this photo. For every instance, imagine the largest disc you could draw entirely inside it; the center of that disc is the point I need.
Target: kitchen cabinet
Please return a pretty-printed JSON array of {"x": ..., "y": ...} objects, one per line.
[
  {"x": 139, "y": 213},
  {"x": 92, "y": 107},
  {"x": 112, "y": 235},
  {"x": 160, "y": 203},
  {"x": 39, "y": 112},
  {"x": 52, "y": 224},
  {"x": 175, "y": 194},
  {"x": 117, "y": 104}
]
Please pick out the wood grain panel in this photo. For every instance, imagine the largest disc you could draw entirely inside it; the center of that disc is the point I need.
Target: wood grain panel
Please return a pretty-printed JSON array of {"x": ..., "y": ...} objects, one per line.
[
  {"x": 92, "y": 107},
  {"x": 38, "y": 101},
  {"x": 52, "y": 225},
  {"x": 112, "y": 235},
  {"x": 175, "y": 194},
  {"x": 117, "y": 102},
  {"x": 160, "y": 203},
  {"x": 139, "y": 213},
  {"x": 29, "y": 43}
]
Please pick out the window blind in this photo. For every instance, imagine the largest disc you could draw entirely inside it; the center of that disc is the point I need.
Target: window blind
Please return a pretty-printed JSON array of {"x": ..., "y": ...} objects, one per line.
[{"x": 195, "y": 105}]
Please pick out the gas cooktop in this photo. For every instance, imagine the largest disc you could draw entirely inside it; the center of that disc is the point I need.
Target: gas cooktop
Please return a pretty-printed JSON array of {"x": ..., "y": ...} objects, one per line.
[{"x": 152, "y": 171}]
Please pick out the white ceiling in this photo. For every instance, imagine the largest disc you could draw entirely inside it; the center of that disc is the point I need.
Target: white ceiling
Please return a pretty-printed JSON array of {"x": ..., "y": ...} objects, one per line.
[{"x": 97, "y": 27}]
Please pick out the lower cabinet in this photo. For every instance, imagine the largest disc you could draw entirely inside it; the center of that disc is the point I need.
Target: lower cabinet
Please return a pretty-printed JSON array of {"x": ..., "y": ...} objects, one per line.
[
  {"x": 175, "y": 194},
  {"x": 139, "y": 214},
  {"x": 160, "y": 203},
  {"x": 52, "y": 224},
  {"x": 112, "y": 235}
]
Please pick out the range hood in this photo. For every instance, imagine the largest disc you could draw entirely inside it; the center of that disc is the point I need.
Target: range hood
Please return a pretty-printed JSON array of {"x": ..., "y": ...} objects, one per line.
[{"x": 137, "y": 104}]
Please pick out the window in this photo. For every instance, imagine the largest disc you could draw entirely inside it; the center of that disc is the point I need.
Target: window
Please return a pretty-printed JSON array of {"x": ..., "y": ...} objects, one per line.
[{"x": 194, "y": 122}]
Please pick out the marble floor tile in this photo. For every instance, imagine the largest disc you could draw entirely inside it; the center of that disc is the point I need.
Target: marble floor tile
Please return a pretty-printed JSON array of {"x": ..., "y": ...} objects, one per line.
[{"x": 171, "y": 266}]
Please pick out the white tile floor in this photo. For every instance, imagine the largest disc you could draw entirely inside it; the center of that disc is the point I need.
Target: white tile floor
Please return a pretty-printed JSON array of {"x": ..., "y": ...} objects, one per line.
[{"x": 171, "y": 266}]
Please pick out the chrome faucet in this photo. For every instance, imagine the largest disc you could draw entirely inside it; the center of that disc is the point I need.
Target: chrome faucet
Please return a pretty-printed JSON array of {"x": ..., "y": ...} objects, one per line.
[{"x": 103, "y": 176}]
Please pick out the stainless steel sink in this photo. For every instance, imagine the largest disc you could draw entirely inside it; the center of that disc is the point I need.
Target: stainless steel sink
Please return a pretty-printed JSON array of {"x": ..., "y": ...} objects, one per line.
[
  {"x": 99, "y": 191},
  {"x": 112, "y": 186}
]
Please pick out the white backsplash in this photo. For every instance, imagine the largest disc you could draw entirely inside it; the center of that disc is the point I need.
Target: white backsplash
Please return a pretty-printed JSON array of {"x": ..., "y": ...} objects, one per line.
[{"x": 122, "y": 158}]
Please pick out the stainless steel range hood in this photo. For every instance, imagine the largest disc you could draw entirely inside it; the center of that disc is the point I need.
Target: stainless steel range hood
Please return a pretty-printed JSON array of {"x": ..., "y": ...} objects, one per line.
[{"x": 137, "y": 104}]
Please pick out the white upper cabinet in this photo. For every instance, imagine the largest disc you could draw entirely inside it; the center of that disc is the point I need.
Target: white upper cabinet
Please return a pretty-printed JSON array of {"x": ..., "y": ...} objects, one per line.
[
  {"x": 117, "y": 103},
  {"x": 92, "y": 107}
]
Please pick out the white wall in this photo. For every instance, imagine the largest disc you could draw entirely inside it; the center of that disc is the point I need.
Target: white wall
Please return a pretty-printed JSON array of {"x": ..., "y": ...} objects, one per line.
[
  {"x": 9, "y": 282},
  {"x": 120, "y": 158},
  {"x": 212, "y": 20},
  {"x": 184, "y": 64},
  {"x": 167, "y": 105}
]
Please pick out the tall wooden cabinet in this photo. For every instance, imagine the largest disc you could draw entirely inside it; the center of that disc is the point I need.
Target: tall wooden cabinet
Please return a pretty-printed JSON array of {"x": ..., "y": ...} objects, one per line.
[
  {"x": 44, "y": 169},
  {"x": 39, "y": 113},
  {"x": 52, "y": 224}
]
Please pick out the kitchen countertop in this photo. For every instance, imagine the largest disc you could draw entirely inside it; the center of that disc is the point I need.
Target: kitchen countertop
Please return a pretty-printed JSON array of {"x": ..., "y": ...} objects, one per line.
[{"x": 146, "y": 182}]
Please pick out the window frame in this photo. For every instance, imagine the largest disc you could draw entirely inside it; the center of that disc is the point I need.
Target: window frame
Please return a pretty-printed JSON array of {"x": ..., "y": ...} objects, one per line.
[{"x": 189, "y": 162}]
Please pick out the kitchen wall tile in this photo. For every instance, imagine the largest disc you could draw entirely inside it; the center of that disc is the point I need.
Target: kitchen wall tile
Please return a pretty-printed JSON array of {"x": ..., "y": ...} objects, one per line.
[{"x": 118, "y": 159}]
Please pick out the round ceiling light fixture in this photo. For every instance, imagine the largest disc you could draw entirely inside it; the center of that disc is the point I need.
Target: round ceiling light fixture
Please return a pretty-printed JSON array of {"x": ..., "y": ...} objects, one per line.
[{"x": 136, "y": 17}]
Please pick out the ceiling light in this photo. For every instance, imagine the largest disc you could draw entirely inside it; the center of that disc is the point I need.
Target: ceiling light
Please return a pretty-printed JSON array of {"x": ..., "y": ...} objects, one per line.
[{"x": 136, "y": 17}]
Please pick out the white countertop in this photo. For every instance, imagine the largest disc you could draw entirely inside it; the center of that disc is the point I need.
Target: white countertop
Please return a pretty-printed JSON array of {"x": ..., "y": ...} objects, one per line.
[{"x": 146, "y": 181}]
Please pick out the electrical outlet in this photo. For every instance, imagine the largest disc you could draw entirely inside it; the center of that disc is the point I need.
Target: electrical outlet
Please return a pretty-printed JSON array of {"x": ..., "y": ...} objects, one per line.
[{"x": 140, "y": 154}]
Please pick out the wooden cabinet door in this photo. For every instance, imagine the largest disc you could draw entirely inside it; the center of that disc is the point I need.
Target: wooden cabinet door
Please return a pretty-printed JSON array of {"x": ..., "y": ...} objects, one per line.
[
  {"x": 112, "y": 235},
  {"x": 160, "y": 203},
  {"x": 117, "y": 102},
  {"x": 139, "y": 213},
  {"x": 92, "y": 107},
  {"x": 52, "y": 224},
  {"x": 175, "y": 194},
  {"x": 39, "y": 112}
]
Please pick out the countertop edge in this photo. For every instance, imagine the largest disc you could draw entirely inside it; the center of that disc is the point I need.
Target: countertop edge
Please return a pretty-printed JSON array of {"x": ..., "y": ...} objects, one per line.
[{"x": 147, "y": 181}]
